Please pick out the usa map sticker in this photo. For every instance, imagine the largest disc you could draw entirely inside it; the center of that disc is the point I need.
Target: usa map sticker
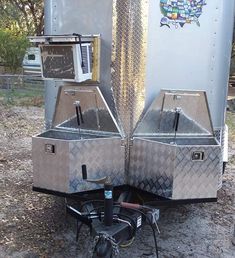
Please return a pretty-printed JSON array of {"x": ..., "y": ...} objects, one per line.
[{"x": 181, "y": 12}]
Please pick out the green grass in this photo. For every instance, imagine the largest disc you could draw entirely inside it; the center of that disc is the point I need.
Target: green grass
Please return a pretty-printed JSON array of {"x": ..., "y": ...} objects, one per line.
[
  {"x": 28, "y": 96},
  {"x": 230, "y": 121}
]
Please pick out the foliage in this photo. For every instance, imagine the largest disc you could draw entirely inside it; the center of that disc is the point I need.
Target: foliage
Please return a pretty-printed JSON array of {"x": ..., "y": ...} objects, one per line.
[
  {"x": 232, "y": 64},
  {"x": 13, "y": 45},
  {"x": 21, "y": 91},
  {"x": 24, "y": 15},
  {"x": 230, "y": 121},
  {"x": 19, "y": 97},
  {"x": 18, "y": 18}
]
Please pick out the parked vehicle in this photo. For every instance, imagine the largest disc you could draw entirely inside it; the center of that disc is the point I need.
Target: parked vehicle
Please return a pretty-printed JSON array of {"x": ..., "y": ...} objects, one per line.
[{"x": 32, "y": 62}]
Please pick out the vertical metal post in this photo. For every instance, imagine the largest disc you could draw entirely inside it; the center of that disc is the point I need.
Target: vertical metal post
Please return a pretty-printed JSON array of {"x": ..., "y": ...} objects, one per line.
[
  {"x": 48, "y": 16},
  {"x": 51, "y": 88},
  {"x": 9, "y": 97}
]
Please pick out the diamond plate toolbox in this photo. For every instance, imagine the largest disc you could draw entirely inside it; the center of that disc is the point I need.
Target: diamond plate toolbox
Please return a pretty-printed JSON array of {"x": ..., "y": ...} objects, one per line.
[
  {"x": 84, "y": 133},
  {"x": 168, "y": 170},
  {"x": 62, "y": 170}
]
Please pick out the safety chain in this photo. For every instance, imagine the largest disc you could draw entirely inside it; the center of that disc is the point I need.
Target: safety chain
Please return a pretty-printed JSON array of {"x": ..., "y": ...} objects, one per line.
[{"x": 115, "y": 250}]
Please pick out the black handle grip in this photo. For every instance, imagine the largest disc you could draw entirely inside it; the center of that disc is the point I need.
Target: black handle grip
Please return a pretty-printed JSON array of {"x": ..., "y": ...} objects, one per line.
[
  {"x": 84, "y": 172},
  {"x": 77, "y": 114},
  {"x": 176, "y": 121},
  {"x": 81, "y": 116}
]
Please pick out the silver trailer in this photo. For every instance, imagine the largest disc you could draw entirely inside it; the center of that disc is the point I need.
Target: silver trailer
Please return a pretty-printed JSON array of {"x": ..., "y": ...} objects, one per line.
[
  {"x": 135, "y": 92},
  {"x": 156, "y": 65}
]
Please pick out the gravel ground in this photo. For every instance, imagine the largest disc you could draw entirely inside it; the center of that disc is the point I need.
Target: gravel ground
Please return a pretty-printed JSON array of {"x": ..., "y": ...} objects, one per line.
[{"x": 35, "y": 225}]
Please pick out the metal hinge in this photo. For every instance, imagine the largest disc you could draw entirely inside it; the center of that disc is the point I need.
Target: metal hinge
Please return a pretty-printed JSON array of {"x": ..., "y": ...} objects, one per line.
[{"x": 127, "y": 141}]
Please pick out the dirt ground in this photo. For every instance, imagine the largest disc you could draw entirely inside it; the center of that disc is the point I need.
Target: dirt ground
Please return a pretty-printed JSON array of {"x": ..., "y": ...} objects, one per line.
[{"x": 35, "y": 225}]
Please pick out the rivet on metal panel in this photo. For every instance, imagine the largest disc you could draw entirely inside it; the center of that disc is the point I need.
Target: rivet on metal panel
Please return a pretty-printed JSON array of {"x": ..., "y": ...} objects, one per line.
[
  {"x": 214, "y": 41},
  {"x": 127, "y": 142},
  {"x": 54, "y": 19}
]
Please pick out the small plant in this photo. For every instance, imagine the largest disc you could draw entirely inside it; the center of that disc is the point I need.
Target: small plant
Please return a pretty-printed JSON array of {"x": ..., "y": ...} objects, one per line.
[
  {"x": 230, "y": 121},
  {"x": 13, "y": 45}
]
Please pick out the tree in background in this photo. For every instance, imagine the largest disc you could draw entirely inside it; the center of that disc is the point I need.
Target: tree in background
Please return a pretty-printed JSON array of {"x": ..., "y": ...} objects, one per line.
[
  {"x": 12, "y": 48},
  {"x": 25, "y": 15},
  {"x": 18, "y": 18}
]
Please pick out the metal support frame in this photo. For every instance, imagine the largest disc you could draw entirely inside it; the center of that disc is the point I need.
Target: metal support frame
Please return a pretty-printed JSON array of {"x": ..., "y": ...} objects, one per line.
[
  {"x": 154, "y": 200},
  {"x": 124, "y": 219},
  {"x": 110, "y": 226}
]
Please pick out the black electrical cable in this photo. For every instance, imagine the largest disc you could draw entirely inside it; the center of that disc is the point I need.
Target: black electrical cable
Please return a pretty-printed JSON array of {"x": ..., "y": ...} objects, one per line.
[
  {"x": 142, "y": 213},
  {"x": 90, "y": 201},
  {"x": 78, "y": 229},
  {"x": 149, "y": 222},
  {"x": 118, "y": 214},
  {"x": 124, "y": 215},
  {"x": 131, "y": 220},
  {"x": 99, "y": 207},
  {"x": 95, "y": 201},
  {"x": 96, "y": 209}
]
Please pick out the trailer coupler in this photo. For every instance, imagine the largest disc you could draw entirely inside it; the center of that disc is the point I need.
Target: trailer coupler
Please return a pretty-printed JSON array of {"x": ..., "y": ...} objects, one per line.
[
  {"x": 111, "y": 224},
  {"x": 127, "y": 218}
]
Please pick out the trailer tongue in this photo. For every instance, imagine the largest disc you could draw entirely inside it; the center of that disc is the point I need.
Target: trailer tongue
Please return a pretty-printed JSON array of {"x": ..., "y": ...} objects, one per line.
[{"x": 135, "y": 107}]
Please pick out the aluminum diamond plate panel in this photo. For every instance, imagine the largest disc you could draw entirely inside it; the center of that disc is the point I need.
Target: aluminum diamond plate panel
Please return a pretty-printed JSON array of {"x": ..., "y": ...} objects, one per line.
[
  {"x": 152, "y": 166},
  {"x": 169, "y": 171},
  {"x": 62, "y": 170},
  {"x": 130, "y": 23},
  {"x": 103, "y": 157},
  {"x": 196, "y": 179},
  {"x": 129, "y": 46},
  {"x": 218, "y": 135}
]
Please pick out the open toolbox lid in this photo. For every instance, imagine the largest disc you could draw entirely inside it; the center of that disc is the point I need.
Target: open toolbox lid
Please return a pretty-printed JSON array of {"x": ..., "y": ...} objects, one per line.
[
  {"x": 176, "y": 112},
  {"x": 84, "y": 109}
]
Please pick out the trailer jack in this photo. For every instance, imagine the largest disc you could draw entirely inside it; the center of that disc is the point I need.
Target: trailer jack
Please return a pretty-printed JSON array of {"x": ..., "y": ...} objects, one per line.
[{"x": 113, "y": 225}]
